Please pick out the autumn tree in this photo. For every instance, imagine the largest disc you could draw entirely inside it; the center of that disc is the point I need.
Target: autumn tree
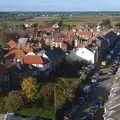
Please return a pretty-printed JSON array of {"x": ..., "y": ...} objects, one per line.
[
  {"x": 46, "y": 95},
  {"x": 30, "y": 88},
  {"x": 2, "y": 104},
  {"x": 14, "y": 101},
  {"x": 63, "y": 90}
]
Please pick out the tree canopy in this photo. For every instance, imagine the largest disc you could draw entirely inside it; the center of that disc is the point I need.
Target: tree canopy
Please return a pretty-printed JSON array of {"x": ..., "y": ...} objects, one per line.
[
  {"x": 106, "y": 23},
  {"x": 14, "y": 101},
  {"x": 30, "y": 88}
]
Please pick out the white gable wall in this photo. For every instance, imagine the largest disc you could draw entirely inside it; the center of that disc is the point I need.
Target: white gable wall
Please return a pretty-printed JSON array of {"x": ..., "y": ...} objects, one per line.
[{"x": 85, "y": 54}]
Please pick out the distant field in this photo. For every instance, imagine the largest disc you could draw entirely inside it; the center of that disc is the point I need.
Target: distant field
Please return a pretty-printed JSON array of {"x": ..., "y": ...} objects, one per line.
[
  {"x": 67, "y": 19},
  {"x": 85, "y": 19},
  {"x": 79, "y": 19}
]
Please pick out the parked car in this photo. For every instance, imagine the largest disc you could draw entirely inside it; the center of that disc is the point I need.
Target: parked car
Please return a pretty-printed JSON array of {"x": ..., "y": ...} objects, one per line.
[
  {"x": 112, "y": 52},
  {"x": 112, "y": 69},
  {"x": 81, "y": 101},
  {"x": 104, "y": 64},
  {"x": 117, "y": 75},
  {"x": 95, "y": 77},
  {"x": 111, "y": 72},
  {"x": 89, "y": 116}
]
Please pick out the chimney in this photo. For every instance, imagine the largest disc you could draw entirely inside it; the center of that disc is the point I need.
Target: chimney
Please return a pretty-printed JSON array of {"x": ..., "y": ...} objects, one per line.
[
  {"x": 75, "y": 42},
  {"x": 41, "y": 53}
]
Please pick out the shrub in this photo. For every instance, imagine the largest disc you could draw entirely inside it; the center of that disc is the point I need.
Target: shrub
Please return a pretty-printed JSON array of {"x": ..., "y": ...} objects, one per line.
[{"x": 14, "y": 101}]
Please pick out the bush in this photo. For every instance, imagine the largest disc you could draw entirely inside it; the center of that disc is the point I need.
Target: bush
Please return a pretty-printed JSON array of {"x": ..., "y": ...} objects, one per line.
[{"x": 14, "y": 101}]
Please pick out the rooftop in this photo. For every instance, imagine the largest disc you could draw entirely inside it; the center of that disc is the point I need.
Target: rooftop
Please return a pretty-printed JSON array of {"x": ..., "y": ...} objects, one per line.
[{"x": 33, "y": 59}]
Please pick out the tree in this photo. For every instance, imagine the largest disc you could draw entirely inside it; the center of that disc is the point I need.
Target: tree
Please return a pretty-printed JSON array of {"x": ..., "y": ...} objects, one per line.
[
  {"x": 63, "y": 90},
  {"x": 106, "y": 23},
  {"x": 2, "y": 35},
  {"x": 1, "y": 55},
  {"x": 2, "y": 104},
  {"x": 30, "y": 88},
  {"x": 60, "y": 23},
  {"x": 117, "y": 25},
  {"x": 46, "y": 95},
  {"x": 14, "y": 101}
]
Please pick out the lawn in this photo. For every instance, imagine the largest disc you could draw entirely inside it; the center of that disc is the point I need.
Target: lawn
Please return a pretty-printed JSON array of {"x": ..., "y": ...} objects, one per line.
[{"x": 37, "y": 112}]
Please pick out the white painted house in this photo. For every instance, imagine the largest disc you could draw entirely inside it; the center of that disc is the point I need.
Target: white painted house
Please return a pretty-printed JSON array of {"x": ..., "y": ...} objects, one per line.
[{"x": 86, "y": 54}]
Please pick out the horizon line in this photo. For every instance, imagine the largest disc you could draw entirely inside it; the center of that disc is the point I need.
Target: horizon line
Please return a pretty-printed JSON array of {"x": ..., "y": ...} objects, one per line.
[{"x": 59, "y": 11}]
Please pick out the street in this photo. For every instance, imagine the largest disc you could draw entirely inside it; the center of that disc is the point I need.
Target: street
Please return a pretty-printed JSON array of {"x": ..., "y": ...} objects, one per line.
[{"x": 101, "y": 89}]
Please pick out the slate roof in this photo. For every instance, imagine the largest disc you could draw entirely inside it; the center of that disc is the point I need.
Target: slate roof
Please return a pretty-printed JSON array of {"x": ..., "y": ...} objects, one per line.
[
  {"x": 72, "y": 57},
  {"x": 90, "y": 47},
  {"x": 55, "y": 54}
]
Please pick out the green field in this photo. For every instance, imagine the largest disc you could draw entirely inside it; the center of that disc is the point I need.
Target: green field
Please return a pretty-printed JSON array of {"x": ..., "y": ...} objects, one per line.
[
  {"x": 83, "y": 19},
  {"x": 67, "y": 19},
  {"x": 87, "y": 19}
]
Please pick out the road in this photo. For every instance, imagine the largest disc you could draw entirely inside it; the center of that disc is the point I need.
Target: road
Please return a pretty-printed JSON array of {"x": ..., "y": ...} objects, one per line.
[
  {"x": 104, "y": 85},
  {"x": 102, "y": 89}
]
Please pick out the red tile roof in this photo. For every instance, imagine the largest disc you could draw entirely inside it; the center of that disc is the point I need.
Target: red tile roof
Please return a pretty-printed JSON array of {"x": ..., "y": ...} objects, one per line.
[
  {"x": 69, "y": 33},
  {"x": 78, "y": 25},
  {"x": 67, "y": 40},
  {"x": 86, "y": 34},
  {"x": 17, "y": 52},
  {"x": 50, "y": 29},
  {"x": 27, "y": 49},
  {"x": 12, "y": 44},
  {"x": 33, "y": 59}
]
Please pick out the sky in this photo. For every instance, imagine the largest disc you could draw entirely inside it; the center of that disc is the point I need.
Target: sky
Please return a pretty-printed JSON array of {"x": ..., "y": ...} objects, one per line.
[{"x": 60, "y": 5}]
